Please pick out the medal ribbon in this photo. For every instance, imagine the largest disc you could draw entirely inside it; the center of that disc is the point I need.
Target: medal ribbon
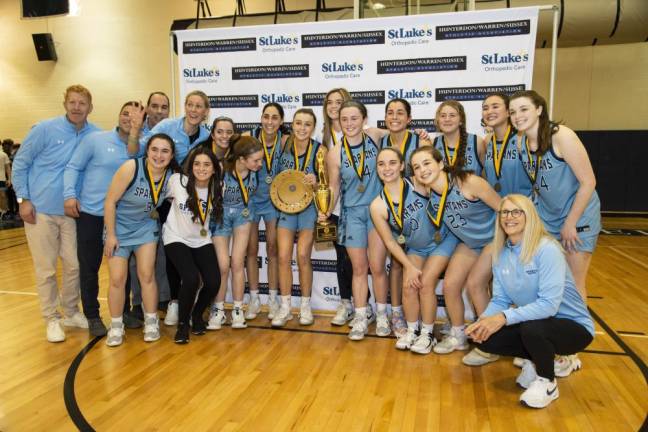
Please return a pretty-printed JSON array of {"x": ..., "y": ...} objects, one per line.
[
  {"x": 398, "y": 215},
  {"x": 497, "y": 157},
  {"x": 269, "y": 156},
  {"x": 308, "y": 154},
  {"x": 203, "y": 215},
  {"x": 436, "y": 220},
  {"x": 404, "y": 143},
  {"x": 533, "y": 173},
  {"x": 359, "y": 169},
  {"x": 334, "y": 137},
  {"x": 243, "y": 188},
  {"x": 155, "y": 189},
  {"x": 453, "y": 159}
]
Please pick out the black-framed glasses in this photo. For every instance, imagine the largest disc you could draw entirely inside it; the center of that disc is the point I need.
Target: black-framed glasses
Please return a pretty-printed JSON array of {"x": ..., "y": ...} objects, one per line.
[{"x": 515, "y": 213}]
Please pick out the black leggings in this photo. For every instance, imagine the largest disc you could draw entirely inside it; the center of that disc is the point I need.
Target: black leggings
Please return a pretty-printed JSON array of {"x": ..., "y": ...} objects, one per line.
[
  {"x": 539, "y": 341},
  {"x": 343, "y": 267},
  {"x": 192, "y": 265}
]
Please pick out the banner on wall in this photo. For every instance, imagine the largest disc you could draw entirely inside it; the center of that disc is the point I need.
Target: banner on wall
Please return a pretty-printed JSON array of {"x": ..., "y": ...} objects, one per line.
[{"x": 425, "y": 59}]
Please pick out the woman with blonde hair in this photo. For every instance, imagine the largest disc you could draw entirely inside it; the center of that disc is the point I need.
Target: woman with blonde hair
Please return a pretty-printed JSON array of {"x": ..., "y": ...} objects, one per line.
[{"x": 550, "y": 317}]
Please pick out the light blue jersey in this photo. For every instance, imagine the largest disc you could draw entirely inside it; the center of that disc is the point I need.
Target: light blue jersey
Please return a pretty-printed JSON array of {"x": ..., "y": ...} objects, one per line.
[
  {"x": 37, "y": 171},
  {"x": 356, "y": 193},
  {"x": 556, "y": 187},
  {"x": 512, "y": 178},
  {"x": 473, "y": 222},
  {"x": 541, "y": 289},
  {"x": 91, "y": 169},
  {"x": 133, "y": 222},
  {"x": 175, "y": 129},
  {"x": 472, "y": 156},
  {"x": 262, "y": 196},
  {"x": 232, "y": 197},
  {"x": 411, "y": 144}
]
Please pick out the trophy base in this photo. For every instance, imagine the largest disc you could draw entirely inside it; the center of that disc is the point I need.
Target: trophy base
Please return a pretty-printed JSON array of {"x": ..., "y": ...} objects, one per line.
[{"x": 325, "y": 232}]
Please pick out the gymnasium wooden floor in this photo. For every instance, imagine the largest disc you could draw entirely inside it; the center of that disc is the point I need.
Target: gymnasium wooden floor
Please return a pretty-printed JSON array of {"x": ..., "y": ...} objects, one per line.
[{"x": 313, "y": 378}]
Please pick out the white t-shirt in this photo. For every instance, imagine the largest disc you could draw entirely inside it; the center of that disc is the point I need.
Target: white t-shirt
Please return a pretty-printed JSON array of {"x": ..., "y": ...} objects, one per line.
[
  {"x": 179, "y": 226},
  {"x": 4, "y": 161}
]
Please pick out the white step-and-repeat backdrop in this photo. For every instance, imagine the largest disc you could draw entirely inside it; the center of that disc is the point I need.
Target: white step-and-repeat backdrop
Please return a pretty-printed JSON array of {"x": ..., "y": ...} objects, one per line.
[{"x": 425, "y": 59}]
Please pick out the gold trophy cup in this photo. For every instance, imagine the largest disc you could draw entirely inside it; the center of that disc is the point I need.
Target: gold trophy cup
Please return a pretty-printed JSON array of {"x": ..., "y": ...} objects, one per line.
[{"x": 324, "y": 231}]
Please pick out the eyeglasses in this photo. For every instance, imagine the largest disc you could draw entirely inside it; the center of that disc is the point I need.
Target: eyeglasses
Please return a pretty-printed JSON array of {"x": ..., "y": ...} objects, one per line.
[{"x": 515, "y": 213}]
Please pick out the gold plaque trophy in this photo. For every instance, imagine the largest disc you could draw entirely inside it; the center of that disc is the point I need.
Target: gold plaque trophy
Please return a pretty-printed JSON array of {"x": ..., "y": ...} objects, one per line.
[{"x": 324, "y": 231}]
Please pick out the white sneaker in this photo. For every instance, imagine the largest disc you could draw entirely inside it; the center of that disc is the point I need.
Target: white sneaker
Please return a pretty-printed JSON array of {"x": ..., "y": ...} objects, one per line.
[
  {"x": 171, "y": 317},
  {"x": 77, "y": 320},
  {"x": 528, "y": 374},
  {"x": 217, "y": 319},
  {"x": 282, "y": 317},
  {"x": 565, "y": 365},
  {"x": 423, "y": 344},
  {"x": 518, "y": 362},
  {"x": 55, "y": 332},
  {"x": 382, "y": 325},
  {"x": 405, "y": 342},
  {"x": 540, "y": 393},
  {"x": 451, "y": 343},
  {"x": 273, "y": 307},
  {"x": 306, "y": 315},
  {"x": 254, "y": 306},
  {"x": 477, "y": 357},
  {"x": 342, "y": 315},
  {"x": 115, "y": 335},
  {"x": 151, "y": 329},
  {"x": 359, "y": 328},
  {"x": 238, "y": 319}
]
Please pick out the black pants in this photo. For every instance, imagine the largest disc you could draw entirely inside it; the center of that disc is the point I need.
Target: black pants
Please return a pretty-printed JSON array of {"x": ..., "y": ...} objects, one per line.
[
  {"x": 193, "y": 264},
  {"x": 12, "y": 202},
  {"x": 539, "y": 341},
  {"x": 89, "y": 252},
  {"x": 343, "y": 267}
]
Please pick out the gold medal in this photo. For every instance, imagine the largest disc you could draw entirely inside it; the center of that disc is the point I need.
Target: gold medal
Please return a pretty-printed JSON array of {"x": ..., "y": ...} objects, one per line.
[
  {"x": 203, "y": 232},
  {"x": 498, "y": 156},
  {"x": 437, "y": 237},
  {"x": 498, "y": 187},
  {"x": 360, "y": 188},
  {"x": 203, "y": 215},
  {"x": 245, "y": 212},
  {"x": 401, "y": 239},
  {"x": 155, "y": 189}
]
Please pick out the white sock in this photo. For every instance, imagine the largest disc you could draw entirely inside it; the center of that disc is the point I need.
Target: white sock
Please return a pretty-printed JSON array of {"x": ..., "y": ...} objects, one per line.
[
  {"x": 254, "y": 294},
  {"x": 305, "y": 301},
  {"x": 285, "y": 301},
  {"x": 361, "y": 312},
  {"x": 412, "y": 326},
  {"x": 238, "y": 304},
  {"x": 427, "y": 328},
  {"x": 119, "y": 320},
  {"x": 273, "y": 294},
  {"x": 150, "y": 315},
  {"x": 220, "y": 305},
  {"x": 397, "y": 309},
  {"x": 458, "y": 330},
  {"x": 347, "y": 303},
  {"x": 381, "y": 308}
]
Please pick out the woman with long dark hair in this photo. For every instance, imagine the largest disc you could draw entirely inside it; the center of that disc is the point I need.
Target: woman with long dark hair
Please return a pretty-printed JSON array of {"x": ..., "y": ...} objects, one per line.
[{"x": 197, "y": 199}]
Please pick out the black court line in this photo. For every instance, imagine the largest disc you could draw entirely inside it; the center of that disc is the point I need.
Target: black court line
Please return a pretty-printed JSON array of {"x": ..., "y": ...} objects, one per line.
[
  {"x": 68, "y": 389},
  {"x": 82, "y": 424},
  {"x": 635, "y": 358},
  {"x": 9, "y": 247}
]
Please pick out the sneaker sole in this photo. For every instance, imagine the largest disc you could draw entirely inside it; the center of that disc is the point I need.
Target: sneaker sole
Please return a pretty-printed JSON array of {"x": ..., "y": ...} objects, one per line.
[
  {"x": 239, "y": 326},
  {"x": 153, "y": 339},
  {"x": 564, "y": 374},
  {"x": 553, "y": 398},
  {"x": 169, "y": 323}
]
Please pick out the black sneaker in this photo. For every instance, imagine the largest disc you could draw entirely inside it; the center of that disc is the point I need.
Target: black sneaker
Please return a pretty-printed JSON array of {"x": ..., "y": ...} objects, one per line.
[
  {"x": 198, "y": 326},
  {"x": 131, "y": 321},
  {"x": 182, "y": 334},
  {"x": 96, "y": 327}
]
